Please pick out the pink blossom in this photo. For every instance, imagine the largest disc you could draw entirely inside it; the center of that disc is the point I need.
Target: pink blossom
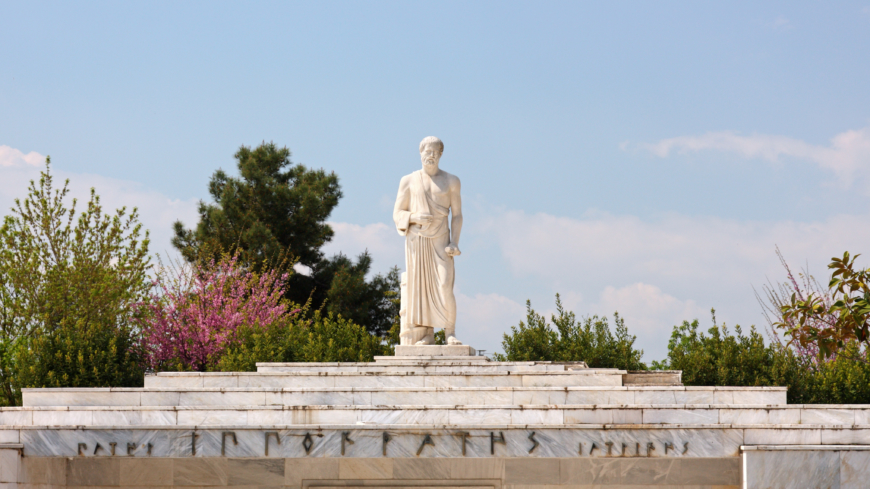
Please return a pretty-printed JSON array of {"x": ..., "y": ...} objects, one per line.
[{"x": 196, "y": 311}]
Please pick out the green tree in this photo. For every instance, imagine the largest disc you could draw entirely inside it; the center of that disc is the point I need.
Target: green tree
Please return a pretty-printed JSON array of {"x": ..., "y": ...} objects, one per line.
[
  {"x": 274, "y": 207},
  {"x": 590, "y": 340},
  {"x": 342, "y": 287},
  {"x": 68, "y": 287},
  {"x": 277, "y": 210}
]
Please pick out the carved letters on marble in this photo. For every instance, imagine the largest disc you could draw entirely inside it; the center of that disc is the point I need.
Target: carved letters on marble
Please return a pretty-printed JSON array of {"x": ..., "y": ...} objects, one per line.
[
  {"x": 464, "y": 436},
  {"x": 277, "y": 439}
]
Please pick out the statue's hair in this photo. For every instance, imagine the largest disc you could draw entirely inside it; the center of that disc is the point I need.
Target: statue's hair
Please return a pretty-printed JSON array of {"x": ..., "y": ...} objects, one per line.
[{"x": 432, "y": 140}]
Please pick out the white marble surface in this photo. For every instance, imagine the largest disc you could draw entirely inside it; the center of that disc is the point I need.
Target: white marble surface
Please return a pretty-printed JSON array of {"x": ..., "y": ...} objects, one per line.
[
  {"x": 449, "y": 395},
  {"x": 369, "y": 443},
  {"x": 435, "y": 350},
  {"x": 792, "y": 469},
  {"x": 854, "y": 470}
]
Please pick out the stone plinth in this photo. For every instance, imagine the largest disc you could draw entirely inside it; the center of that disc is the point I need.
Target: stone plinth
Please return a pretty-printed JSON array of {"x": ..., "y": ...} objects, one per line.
[
  {"x": 433, "y": 419},
  {"x": 435, "y": 351}
]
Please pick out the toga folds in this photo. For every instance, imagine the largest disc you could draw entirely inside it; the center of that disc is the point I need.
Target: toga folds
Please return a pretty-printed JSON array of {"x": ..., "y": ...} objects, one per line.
[{"x": 427, "y": 291}]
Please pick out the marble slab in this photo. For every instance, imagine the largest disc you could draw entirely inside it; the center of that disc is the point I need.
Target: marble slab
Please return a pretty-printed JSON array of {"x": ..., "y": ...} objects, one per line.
[
  {"x": 398, "y": 443},
  {"x": 792, "y": 469},
  {"x": 435, "y": 350}
]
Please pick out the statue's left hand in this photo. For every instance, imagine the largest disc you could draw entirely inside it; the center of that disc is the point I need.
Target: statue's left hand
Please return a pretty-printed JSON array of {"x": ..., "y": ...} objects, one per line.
[{"x": 452, "y": 250}]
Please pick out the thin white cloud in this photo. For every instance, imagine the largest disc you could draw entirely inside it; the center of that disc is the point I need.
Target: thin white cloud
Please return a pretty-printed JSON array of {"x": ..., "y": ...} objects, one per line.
[
  {"x": 14, "y": 157},
  {"x": 781, "y": 24},
  {"x": 847, "y": 156},
  {"x": 157, "y": 212},
  {"x": 659, "y": 272}
]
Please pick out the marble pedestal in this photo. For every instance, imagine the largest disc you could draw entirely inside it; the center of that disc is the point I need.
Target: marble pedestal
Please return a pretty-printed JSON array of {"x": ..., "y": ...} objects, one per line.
[
  {"x": 438, "y": 419},
  {"x": 435, "y": 351}
]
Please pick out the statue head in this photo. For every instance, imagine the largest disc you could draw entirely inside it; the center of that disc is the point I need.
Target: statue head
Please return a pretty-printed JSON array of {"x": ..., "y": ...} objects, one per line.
[{"x": 430, "y": 153}]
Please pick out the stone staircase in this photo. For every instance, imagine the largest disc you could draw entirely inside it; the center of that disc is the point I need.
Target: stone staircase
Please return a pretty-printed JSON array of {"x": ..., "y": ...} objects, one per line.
[{"x": 557, "y": 424}]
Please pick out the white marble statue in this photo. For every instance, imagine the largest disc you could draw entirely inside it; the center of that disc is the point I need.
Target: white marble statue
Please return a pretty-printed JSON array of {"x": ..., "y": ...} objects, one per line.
[{"x": 426, "y": 198}]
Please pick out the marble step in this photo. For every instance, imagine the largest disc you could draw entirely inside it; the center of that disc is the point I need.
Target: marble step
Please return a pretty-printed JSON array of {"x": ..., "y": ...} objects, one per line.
[
  {"x": 390, "y": 364},
  {"x": 327, "y": 417},
  {"x": 376, "y": 396},
  {"x": 583, "y": 377}
]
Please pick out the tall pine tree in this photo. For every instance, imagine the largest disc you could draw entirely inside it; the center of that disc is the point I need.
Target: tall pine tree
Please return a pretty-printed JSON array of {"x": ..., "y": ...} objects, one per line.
[{"x": 277, "y": 210}]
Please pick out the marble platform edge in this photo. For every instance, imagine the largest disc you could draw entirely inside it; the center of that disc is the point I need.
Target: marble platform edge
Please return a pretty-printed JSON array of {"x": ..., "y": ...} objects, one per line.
[
  {"x": 430, "y": 407},
  {"x": 761, "y": 448},
  {"x": 577, "y": 388},
  {"x": 453, "y": 427},
  {"x": 435, "y": 350},
  {"x": 317, "y": 373}
]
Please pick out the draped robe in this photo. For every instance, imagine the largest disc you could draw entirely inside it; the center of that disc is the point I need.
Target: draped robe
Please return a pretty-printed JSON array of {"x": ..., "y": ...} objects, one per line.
[{"x": 427, "y": 298}]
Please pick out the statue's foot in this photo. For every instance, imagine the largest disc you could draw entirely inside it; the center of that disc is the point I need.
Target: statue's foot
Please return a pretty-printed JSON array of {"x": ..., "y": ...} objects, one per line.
[
  {"x": 424, "y": 341},
  {"x": 451, "y": 340}
]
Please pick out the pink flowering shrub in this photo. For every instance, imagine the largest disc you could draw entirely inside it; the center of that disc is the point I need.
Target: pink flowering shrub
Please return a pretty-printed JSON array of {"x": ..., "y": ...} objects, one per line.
[{"x": 197, "y": 309}]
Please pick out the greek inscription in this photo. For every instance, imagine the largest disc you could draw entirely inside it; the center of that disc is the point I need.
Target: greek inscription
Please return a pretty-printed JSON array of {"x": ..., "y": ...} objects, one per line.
[
  {"x": 612, "y": 447},
  {"x": 386, "y": 439},
  {"x": 307, "y": 443},
  {"x": 345, "y": 438},
  {"x": 493, "y": 440},
  {"x": 535, "y": 442},
  {"x": 464, "y": 436},
  {"x": 270, "y": 434},
  {"x": 427, "y": 440},
  {"x": 224, "y": 441}
]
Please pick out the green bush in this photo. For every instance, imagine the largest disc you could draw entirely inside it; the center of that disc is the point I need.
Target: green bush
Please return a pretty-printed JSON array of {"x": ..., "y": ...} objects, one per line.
[
  {"x": 69, "y": 285},
  {"x": 84, "y": 354},
  {"x": 721, "y": 358},
  {"x": 302, "y": 338},
  {"x": 590, "y": 340}
]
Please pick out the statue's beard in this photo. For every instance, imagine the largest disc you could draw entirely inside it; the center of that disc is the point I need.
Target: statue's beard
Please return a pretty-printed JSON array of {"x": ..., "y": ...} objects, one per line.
[{"x": 430, "y": 162}]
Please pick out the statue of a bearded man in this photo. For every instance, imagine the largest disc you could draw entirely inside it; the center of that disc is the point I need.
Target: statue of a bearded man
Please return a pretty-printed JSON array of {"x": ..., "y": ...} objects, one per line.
[{"x": 426, "y": 199}]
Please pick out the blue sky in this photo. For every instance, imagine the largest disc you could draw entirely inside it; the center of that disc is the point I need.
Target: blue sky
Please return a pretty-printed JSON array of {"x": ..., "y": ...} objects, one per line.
[{"x": 645, "y": 157}]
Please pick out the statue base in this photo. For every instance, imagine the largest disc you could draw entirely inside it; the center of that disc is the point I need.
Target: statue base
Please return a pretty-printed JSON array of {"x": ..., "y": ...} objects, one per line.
[{"x": 435, "y": 351}]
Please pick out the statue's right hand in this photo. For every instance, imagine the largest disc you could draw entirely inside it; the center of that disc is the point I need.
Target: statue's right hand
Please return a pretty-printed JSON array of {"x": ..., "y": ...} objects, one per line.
[{"x": 421, "y": 218}]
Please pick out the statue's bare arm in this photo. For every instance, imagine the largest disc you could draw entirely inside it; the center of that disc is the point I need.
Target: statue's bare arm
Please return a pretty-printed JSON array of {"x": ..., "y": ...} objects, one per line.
[{"x": 456, "y": 222}]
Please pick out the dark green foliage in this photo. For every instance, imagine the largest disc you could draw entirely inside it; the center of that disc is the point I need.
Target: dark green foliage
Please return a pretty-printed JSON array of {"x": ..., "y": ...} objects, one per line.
[
  {"x": 589, "y": 340},
  {"x": 79, "y": 355},
  {"x": 722, "y": 358},
  {"x": 341, "y": 285},
  {"x": 302, "y": 337},
  {"x": 276, "y": 210},
  {"x": 272, "y": 208},
  {"x": 68, "y": 289}
]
